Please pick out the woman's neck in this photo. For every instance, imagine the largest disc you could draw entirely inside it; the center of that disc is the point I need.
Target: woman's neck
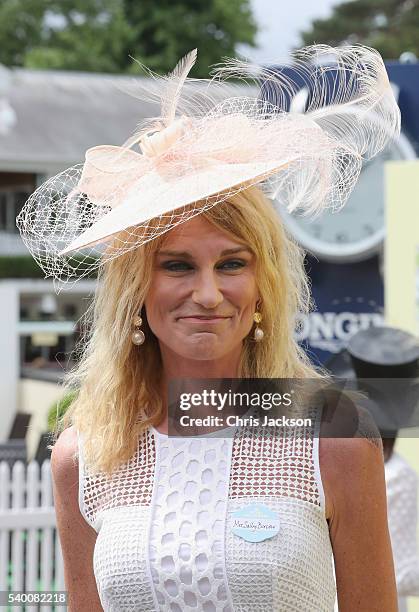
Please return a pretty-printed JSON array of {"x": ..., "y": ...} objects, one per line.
[{"x": 178, "y": 367}]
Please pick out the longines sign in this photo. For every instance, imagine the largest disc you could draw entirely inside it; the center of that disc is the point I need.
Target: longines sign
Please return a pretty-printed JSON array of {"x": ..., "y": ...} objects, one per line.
[{"x": 330, "y": 331}]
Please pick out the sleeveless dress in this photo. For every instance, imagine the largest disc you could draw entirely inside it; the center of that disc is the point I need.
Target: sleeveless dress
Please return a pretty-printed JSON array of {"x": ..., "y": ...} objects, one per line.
[{"x": 165, "y": 521}]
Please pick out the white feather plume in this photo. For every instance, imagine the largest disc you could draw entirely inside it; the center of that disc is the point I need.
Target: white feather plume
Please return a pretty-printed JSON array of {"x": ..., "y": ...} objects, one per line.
[
  {"x": 175, "y": 82},
  {"x": 349, "y": 92}
]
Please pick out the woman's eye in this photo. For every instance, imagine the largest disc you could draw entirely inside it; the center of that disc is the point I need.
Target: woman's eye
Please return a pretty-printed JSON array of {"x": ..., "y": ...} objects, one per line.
[
  {"x": 233, "y": 264},
  {"x": 175, "y": 266},
  {"x": 181, "y": 266}
]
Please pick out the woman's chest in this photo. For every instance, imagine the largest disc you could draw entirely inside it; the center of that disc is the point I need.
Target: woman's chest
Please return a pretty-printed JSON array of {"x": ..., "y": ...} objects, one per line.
[
  {"x": 182, "y": 551},
  {"x": 143, "y": 562}
]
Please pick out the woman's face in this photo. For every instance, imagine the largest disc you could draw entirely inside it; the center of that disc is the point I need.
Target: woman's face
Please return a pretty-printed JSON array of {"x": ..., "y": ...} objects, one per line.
[{"x": 200, "y": 271}]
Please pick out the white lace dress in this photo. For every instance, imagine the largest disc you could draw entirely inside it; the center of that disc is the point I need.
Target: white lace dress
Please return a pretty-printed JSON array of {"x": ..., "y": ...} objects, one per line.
[{"x": 165, "y": 525}]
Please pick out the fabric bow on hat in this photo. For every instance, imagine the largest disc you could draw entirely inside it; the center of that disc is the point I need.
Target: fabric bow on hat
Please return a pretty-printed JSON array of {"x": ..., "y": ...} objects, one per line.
[
  {"x": 159, "y": 142},
  {"x": 205, "y": 147}
]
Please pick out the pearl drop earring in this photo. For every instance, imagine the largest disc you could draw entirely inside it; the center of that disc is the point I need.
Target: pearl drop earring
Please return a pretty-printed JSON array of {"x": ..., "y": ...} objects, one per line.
[
  {"x": 258, "y": 333},
  {"x": 138, "y": 336}
]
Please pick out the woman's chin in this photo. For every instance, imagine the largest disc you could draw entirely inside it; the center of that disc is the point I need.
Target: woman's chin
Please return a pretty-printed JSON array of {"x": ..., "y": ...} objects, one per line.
[{"x": 203, "y": 346}]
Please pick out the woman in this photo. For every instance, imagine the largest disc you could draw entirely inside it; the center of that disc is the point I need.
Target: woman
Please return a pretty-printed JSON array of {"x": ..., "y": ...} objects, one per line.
[{"x": 151, "y": 522}]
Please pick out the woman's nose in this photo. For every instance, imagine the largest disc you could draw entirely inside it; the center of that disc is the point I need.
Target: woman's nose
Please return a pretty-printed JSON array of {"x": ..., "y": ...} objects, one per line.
[{"x": 206, "y": 291}]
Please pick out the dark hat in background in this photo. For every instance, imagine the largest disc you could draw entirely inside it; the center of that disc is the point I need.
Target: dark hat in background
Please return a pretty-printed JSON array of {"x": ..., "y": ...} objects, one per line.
[
  {"x": 384, "y": 352},
  {"x": 383, "y": 362}
]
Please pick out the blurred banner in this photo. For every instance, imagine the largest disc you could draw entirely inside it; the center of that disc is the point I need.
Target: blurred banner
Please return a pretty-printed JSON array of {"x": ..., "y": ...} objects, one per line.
[{"x": 401, "y": 269}]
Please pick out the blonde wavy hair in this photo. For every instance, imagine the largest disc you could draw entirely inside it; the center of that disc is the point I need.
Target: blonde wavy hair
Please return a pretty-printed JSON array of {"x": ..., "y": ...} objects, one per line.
[{"x": 117, "y": 383}]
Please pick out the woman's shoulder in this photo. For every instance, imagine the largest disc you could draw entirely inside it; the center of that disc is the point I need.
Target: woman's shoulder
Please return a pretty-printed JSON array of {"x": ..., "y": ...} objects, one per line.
[
  {"x": 342, "y": 456},
  {"x": 64, "y": 457},
  {"x": 347, "y": 463},
  {"x": 77, "y": 533}
]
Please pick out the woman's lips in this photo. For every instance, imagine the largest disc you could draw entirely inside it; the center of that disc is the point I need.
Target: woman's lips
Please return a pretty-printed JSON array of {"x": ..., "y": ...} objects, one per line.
[{"x": 204, "y": 319}]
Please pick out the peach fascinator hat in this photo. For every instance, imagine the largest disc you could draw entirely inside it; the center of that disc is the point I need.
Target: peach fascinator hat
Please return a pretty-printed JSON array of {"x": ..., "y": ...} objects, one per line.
[{"x": 204, "y": 147}]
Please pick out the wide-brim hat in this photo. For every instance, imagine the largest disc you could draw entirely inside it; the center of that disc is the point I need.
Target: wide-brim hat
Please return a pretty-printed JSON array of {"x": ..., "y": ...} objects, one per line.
[{"x": 200, "y": 151}]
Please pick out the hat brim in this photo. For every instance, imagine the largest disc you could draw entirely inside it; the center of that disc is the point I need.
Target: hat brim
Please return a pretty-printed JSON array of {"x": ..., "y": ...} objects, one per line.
[{"x": 148, "y": 199}]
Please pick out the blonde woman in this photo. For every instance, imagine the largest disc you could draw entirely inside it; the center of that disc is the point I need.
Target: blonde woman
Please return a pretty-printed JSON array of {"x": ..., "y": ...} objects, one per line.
[{"x": 148, "y": 521}]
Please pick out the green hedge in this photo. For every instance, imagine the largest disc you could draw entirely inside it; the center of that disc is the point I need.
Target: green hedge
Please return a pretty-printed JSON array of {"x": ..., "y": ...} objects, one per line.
[
  {"x": 24, "y": 266},
  {"x": 62, "y": 405}
]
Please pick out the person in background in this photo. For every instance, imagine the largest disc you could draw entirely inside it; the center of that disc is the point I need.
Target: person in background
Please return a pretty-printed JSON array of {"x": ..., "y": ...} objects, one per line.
[
  {"x": 402, "y": 512},
  {"x": 385, "y": 361}
]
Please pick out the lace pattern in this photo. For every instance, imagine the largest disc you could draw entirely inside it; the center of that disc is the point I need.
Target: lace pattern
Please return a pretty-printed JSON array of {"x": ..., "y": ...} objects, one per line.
[
  {"x": 270, "y": 461},
  {"x": 119, "y": 560},
  {"x": 187, "y": 525},
  {"x": 164, "y": 524},
  {"x": 130, "y": 485},
  {"x": 291, "y": 571}
]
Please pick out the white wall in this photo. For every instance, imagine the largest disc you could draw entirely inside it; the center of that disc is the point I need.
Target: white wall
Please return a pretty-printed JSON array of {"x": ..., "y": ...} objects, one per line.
[
  {"x": 9, "y": 356},
  {"x": 36, "y": 397}
]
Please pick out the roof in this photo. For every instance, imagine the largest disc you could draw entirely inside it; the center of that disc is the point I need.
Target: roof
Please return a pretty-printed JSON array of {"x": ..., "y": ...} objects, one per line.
[{"x": 61, "y": 113}]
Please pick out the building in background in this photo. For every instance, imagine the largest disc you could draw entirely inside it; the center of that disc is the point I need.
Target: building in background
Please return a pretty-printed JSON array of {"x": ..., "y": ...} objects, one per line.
[{"x": 47, "y": 121}]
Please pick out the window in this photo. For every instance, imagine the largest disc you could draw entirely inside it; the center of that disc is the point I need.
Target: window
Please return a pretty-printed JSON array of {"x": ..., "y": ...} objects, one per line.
[{"x": 15, "y": 188}]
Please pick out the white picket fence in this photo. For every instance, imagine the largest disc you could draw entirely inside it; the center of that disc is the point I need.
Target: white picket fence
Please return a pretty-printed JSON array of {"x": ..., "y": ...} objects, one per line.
[{"x": 29, "y": 542}]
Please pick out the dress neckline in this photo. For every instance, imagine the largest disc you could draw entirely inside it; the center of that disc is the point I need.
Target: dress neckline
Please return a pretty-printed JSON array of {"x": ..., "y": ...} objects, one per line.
[{"x": 212, "y": 434}]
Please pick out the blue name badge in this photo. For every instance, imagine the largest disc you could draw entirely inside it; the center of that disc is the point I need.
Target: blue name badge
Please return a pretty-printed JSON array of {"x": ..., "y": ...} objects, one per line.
[{"x": 255, "y": 523}]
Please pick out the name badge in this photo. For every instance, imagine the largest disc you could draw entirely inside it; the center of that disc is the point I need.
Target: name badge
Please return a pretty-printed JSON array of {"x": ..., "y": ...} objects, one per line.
[{"x": 255, "y": 523}]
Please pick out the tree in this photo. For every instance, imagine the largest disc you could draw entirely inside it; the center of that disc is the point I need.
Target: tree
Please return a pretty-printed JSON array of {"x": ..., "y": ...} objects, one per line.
[
  {"x": 391, "y": 26},
  {"x": 100, "y": 35},
  {"x": 166, "y": 30},
  {"x": 20, "y": 28}
]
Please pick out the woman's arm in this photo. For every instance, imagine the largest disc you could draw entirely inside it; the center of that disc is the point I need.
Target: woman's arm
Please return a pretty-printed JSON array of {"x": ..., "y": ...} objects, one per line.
[
  {"x": 77, "y": 538},
  {"x": 354, "y": 483}
]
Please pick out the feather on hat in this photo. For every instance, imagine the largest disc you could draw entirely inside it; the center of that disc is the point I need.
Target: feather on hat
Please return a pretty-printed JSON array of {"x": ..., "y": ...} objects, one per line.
[{"x": 201, "y": 150}]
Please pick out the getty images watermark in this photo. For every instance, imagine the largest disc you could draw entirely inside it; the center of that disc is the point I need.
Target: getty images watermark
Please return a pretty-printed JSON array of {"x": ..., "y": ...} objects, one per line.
[
  {"x": 330, "y": 407},
  {"x": 212, "y": 408}
]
